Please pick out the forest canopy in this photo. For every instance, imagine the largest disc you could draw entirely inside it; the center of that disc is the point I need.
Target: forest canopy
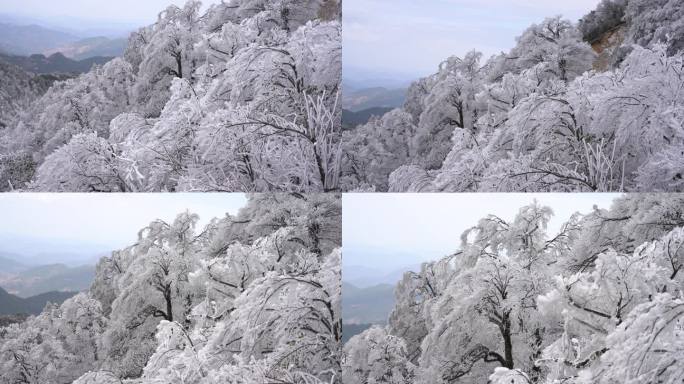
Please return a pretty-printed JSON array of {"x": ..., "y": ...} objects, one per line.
[
  {"x": 249, "y": 298},
  {"x": 600, "y": 301},
  {"x": 242, "y": 97},
  {"x": 572, "y": 107}
]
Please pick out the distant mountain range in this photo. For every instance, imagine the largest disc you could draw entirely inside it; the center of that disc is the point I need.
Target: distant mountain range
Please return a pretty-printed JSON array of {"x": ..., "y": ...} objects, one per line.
[
  {"x": 355, "y": 78},
  {"x": 371, "y": 305},
  {"x": 73, "y": 25},
  {"x": 352, "y": 119},
  {"x": 8, "y": 263},
  {"x": 348, "y": 330},
  {"x": 27, "y": 40},
  {"x": 33, "y": 251},
  {"x": 356, "y": 100},
  {"x": 27, "y": 281},
  {"x": 55, "y": 63},
  {"x": 11, "y": 304},
  {"x": 92, "y": 47},
  {"x": 364, "y": 277}
]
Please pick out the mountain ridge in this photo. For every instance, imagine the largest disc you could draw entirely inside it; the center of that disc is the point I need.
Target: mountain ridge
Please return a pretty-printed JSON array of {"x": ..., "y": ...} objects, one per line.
[
  {"x": 31, "y": 39},
  {"x": 371, "y": 305},
  {"x": 356, "y": 100},
  {"x": 36, "y": 280},
  {"x": 351, "y": 119},
  {"x": 55, "y": 63},
  {"x": 11, "y": 304}
]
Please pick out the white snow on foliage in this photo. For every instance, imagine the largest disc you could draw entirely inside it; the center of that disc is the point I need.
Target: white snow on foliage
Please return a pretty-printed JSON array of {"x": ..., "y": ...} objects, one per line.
[
  {"x": 251, "y": 298},
  {"x": 240, "y": 98},
  {"x": 599, "y": 302},
  {"x": 546, "y": 116}
]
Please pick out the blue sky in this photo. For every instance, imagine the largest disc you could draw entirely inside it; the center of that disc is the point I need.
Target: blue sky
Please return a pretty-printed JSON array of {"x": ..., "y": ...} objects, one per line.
[
  {"x": 102, "y": 222},
  {"x": 390, "y": 231},
  {"x": 409, "y": 38}
]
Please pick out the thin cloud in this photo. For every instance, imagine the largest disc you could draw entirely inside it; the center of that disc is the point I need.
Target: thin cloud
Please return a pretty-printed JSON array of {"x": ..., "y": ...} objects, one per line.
[
  {"x": 108, "y": 219},
  {"x": 402, "y": 36},
  {"x": 119, "y": 11},
  {"x": 390, "y": 231}
]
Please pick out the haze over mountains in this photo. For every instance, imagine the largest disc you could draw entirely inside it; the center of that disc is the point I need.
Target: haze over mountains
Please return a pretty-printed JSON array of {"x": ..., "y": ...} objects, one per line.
[
  {"x": 367, "y": 297},
  {"x": 25, "y": 280},
  {"x": 26, "y": 40},
  {"x": 80, "y": 27},
  {"x": 366, "y": 94},
  {"x": 30, "y": 39},
  {"x": 34, "y": 57},
  {"x": 25, "y": 289},
  {"x": 370, "y": 305},
  {"x": 360, "y": 99},
  {"x": 364, "y": 276},
  {"x": 36, "y": 271},
  {"x": 39, "y": 48},
  {"x": 359, "y": 105},
  {"x": 364, "y": 307},
  {"x": 33, "y": 251}
]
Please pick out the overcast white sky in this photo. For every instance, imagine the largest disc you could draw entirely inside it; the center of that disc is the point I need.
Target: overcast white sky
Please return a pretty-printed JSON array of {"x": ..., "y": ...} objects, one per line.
[
  {"x": 399, "y": 38},
  {"x": 135, "y": 12},
  {"x": 109, "y": 221},
  {"x": 391, "y": 231}
]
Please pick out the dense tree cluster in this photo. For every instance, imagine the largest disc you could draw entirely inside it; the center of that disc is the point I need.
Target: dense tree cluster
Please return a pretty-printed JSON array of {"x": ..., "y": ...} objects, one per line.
[
  {"x": 19, "y": 89},
  {"x": 541, "y": 117},
  {"x": 601, "y": 301},
  {"x": 657, "y": 21},
  {"x": 608, "y": 15},
  {"x": 240, "y": 98},
  {"x": 251, "y": 298}
]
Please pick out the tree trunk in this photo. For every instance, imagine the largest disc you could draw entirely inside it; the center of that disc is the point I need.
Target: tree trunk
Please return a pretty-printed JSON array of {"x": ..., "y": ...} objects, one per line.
[
  {"x": 179, "y": 64},
  {"x": 321, "y": 169},
  {"x": 169, "y": 305},
  {"x": 508, "y": 343}
]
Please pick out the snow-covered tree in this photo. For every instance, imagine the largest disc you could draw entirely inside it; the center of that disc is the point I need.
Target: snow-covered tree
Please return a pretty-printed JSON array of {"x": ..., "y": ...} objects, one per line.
[
  {"x": 549, "y": 115},
  {"x": 57, "y": 346},
  {"x": 652, "y": 22},
  {"x": 166, "y": 52},
  {"x": 449, "y": 104},
  {"x": 607, "y": 15},
  {"x": 600, "y": 301},
  {"x": 374, "y": 150},
  {"x": 252, "y": 297},
  {"x": 375, "y": 356},
  {"x": 240, "y": 98}
]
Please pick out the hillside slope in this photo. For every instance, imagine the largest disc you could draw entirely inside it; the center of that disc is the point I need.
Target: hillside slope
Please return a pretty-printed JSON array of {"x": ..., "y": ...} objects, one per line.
[
  {"x": 55, "y": 63},
  {"x": 18, "y": 89},
  {"x": 11, "y": 304},
  {"x": 9, "y": 265},
  {"x": 607, "y": 47},
  {"x": 91, "y": 47},
  {"x": 46, "y": 278},
  {"x": 246, "y": 62},
  {"x": 256, "y": 295},
  {"x": 370, "y": 305},
  {"x": 352, "y": 119},
  {"x": 362, "y": 99},
  {"x": 30, "y": 39}
]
